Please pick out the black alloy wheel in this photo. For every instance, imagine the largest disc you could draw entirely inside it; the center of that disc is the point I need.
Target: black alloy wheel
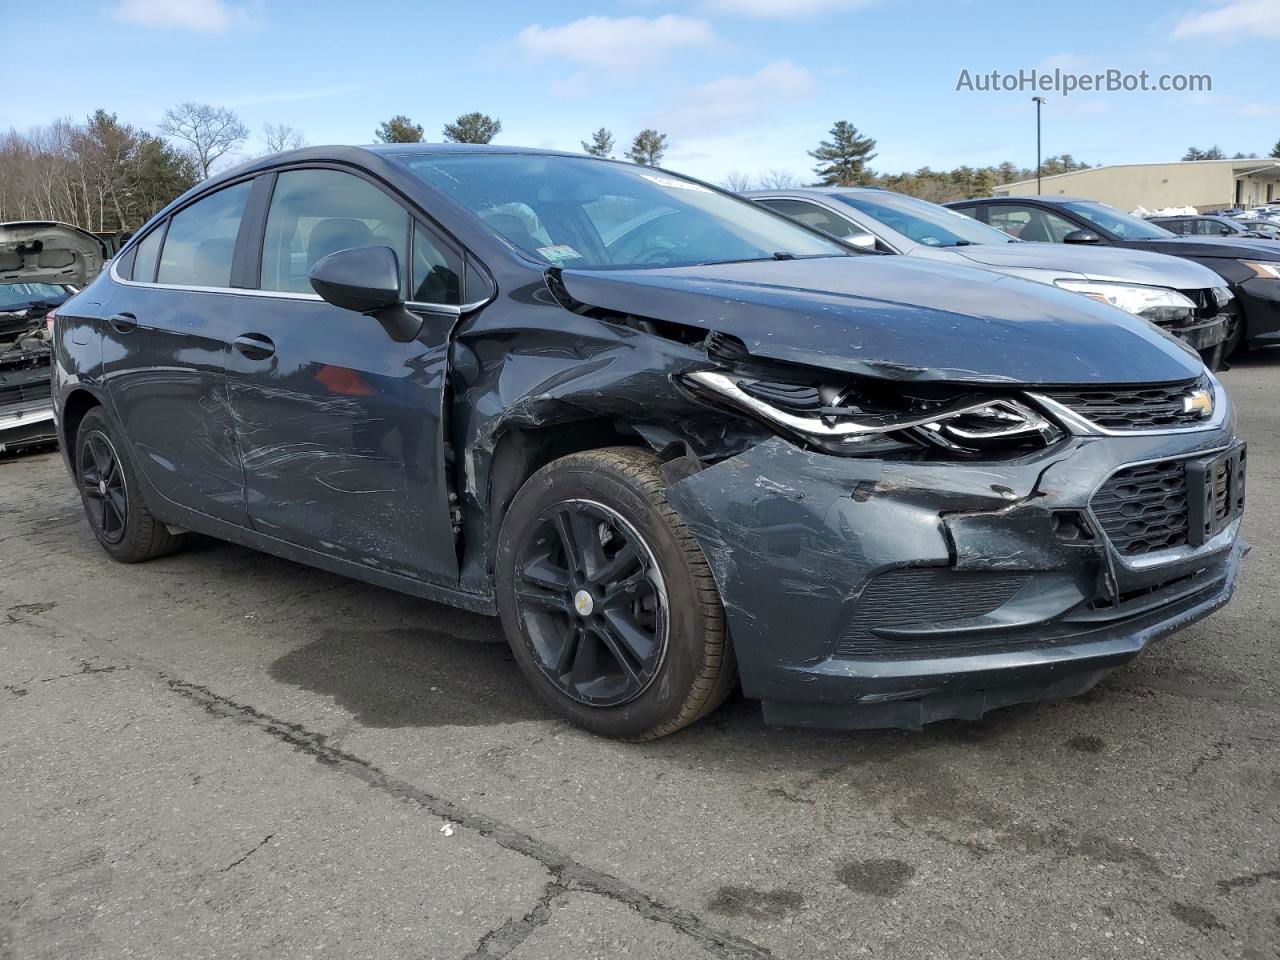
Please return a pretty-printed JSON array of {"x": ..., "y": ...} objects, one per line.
[
  {"x": 591, "y": 602},
  {"x": 102, "y": 484}
]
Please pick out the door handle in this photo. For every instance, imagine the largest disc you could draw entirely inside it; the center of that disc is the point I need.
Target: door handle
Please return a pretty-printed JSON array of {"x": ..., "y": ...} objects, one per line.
[
  {"x": 122, "y": 322},
  {"x": 255, "y": 346}
]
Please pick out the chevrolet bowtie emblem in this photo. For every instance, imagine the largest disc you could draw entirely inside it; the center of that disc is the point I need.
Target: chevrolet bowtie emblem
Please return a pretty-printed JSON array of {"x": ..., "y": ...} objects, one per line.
[{"x": 1199, "y": 402}]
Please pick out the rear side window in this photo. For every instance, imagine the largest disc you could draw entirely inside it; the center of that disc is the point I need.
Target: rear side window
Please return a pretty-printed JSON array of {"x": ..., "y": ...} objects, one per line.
[
  {"x": 314, "y": 213},
  {"x": 144, "y": 264},
  {"x": 201, "y": 242}
]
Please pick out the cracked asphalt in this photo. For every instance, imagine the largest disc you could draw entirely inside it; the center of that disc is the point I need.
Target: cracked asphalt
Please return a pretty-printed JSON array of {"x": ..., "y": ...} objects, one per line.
[{"x": 222, "y": 754}]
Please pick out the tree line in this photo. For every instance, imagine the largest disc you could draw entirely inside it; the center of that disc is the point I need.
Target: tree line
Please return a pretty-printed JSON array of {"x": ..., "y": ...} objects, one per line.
[{"x": 110, "y": 176}]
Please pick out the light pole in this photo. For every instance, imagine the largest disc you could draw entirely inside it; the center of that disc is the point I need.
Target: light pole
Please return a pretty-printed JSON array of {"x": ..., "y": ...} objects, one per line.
[{"x": 1039, "y": 103}]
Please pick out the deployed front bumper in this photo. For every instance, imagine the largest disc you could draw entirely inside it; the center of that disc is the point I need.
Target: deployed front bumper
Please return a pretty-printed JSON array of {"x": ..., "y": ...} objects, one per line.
[{"x": 870, "y": 593}]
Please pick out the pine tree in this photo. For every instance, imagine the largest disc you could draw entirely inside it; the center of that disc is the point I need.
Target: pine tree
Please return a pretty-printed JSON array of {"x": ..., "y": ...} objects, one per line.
[
  {"x": 399, "y": 129},
  {"x": 1275, "y": 151},
  {"x": 601, "y": 144},
  {"x": 843, "y": 159},
  {"x": 648, "y": 147},
  {"x": 473, "y": 127}
]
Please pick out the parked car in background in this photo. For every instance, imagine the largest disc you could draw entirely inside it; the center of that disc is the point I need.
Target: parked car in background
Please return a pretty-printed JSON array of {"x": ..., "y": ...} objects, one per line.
[
  {"x": 1267, "y": 226},
  {"x": 1185, "y": 299},
  {"x": 1249, "y": 267},
  {"x": 41, "y": 265},
  {"x": 881, "y": 490},
  {"x": 1210, "y": 227}
]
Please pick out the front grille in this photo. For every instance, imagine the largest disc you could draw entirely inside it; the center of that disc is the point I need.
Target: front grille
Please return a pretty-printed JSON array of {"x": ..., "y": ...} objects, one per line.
[
  {"x": 11, "y": 393},
  {"x": 922, "y": 595},
  {"x": 1144, "y": 508},
  {"x": 1132, "y": 408}
]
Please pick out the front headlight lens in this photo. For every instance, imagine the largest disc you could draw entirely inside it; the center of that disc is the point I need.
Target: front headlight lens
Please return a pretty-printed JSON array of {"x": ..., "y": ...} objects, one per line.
[
  {"x": 1264, "y": 268},
  {"x": 1157, "y": 304},
  {"x": 839, "y": 421}
]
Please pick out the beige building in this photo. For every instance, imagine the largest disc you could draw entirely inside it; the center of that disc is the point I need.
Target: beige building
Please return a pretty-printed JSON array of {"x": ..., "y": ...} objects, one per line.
[{"x": 1203, "y": 184}]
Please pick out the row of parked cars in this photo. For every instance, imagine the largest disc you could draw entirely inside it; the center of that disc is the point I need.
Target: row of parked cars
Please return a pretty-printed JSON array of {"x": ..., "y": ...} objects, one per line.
[
  {"x": 1216, "y": 293},
  {"x": 874, "y": 461}
]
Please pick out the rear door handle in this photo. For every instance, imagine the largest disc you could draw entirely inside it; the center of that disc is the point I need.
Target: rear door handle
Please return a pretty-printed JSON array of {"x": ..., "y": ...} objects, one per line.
[
  {"x": 255, "y": 346},
  {"x": 122, "y": 322}
]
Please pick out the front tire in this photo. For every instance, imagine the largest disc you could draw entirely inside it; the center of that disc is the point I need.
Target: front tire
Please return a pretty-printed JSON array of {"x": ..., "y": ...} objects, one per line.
[
  {"x": 607, "y": 600},
  {"x": 112, "y": 499}
]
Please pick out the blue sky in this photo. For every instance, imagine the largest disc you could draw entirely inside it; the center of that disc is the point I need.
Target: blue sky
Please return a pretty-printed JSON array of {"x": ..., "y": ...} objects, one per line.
[{"x": 746, "y": 85}]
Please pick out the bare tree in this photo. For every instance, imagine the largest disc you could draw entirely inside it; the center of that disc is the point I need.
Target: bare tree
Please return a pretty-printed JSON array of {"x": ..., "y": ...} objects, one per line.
[
  {"x": 210, "y": 132},
  {"x": 737, "y": 181},
  {"x": 778, "y": 180},
  {"x": 280, "y": 137}
]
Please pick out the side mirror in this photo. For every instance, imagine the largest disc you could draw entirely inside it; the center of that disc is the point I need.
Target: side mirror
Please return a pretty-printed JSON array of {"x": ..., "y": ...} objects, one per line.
[
  {"x": 866, "y": 241},
  {"x": 1225, "y": 231},
  {"x": 367, "y": 280},
  {"x": 1082, "y": 236}
]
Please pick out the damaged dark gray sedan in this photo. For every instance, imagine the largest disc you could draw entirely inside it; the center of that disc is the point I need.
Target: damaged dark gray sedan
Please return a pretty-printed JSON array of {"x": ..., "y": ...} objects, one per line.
[{"x": 673, "y": 439}]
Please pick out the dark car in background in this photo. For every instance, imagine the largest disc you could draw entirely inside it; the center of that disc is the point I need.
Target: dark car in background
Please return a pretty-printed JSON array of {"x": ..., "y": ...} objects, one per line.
[
  {"x": 41, "y": 265},
  {"x": 673, "y": 439},
  {"x": 1250, "y": 268}
]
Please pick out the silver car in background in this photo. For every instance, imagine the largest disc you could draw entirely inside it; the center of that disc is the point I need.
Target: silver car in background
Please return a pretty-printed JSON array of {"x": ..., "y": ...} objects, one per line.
[{"x": 1179, "y": 296}]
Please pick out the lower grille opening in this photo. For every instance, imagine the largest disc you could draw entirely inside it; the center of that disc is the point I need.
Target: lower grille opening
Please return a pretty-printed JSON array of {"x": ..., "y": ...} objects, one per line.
[
  {"x": 922, "y": 595},
  {"x": 1144, "y": 508}
]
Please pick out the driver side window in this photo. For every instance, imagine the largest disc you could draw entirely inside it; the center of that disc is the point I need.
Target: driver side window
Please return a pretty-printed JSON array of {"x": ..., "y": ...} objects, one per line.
[
  {"x": 314, "y": 213},
  {"x": 1030, "y": 223}
]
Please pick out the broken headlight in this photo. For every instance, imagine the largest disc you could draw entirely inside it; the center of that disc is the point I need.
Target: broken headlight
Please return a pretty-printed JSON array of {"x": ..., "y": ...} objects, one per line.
[{"x": 882, "y": 418}]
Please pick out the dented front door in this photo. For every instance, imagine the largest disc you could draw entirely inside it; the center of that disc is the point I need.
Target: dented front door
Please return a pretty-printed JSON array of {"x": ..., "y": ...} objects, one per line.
[{"x": 340, "y": 435}]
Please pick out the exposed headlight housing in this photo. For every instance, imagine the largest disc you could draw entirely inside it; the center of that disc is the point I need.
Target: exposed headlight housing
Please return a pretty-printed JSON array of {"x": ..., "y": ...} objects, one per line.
[
  {"x": 844, "y": 420},
  {"x": 1157, "y": 304},
  {"x": 1264, "y": 268}
]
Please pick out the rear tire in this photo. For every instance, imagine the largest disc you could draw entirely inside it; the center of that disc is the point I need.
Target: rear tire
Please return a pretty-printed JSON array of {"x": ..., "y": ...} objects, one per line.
[
  {"x": 607, "y": 600},
  {"x": 111, "y": 494}
]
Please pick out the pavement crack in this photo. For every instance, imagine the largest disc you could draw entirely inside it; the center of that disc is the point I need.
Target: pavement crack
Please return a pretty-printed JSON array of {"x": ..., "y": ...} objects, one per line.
[
  {"x": 252, "y": 850},
  {"x": 502, "y": 940},
  {"x": 566, "y": 871}
]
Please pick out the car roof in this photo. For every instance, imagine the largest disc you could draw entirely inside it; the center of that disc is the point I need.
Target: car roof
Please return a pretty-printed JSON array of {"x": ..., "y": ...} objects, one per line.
[
  {"x": 821, "y": 191},
  {"x": 1033, "y": 198}
]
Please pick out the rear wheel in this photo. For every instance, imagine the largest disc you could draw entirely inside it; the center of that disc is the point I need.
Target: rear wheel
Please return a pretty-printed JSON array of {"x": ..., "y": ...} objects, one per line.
[
  {"x": 112, "y": 501},
  {"x": 607, "y": 600}
]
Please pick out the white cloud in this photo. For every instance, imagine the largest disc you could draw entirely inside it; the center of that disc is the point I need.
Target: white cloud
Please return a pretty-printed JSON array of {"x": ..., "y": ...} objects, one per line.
[
  {"x": 616, "y": 42},
  {"x": 781, "y": 9},
  {"x": 1233, "y": 20},
  {"x": 1259, "y": 110},
  {"x": 203, "y": 16},
  {"x": 732, "y": 102}
]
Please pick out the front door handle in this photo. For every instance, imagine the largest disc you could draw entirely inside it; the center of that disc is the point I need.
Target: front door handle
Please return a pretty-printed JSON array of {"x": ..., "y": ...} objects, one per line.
[
  {"x": 122, "y": 322},
  {"x": 255, "y": 346}
]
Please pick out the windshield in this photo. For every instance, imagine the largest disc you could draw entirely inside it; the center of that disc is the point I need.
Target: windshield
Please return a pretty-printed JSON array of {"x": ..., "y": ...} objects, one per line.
[
  {"x": 19, "y": 296},
  {"x": 922, "y": 221},
  {"x": 579, "y": 213},
  {"x": 1123, "y": 225}
]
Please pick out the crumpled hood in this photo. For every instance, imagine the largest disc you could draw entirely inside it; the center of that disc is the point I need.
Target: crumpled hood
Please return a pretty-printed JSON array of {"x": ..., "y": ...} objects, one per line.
[
  {"x": 899, "y": 318},
  {"x": 1110, "y": 264},
  {"x": 46, "y": 252}
]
